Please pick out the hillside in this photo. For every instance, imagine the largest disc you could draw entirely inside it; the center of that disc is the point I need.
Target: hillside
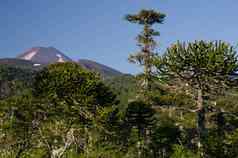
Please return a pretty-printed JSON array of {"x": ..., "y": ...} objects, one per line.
[
  {"x": 19, "y": 63},
  {"x": 104, "y": 70},
  {"x": 124, "y": 86}
]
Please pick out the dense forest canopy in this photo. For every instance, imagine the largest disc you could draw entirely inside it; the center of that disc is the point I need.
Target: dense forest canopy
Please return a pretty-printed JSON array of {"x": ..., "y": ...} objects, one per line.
[{"x": 182, "y": 105}]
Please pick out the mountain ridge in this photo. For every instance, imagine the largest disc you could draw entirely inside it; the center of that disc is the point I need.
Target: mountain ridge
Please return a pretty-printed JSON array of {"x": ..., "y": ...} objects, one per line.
[
  {"x": 39, "y": 56},
  {"x": 94, "y": 66}
]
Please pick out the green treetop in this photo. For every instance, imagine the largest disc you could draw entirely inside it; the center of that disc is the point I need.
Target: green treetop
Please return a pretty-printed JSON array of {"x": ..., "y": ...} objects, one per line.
[
  {"x": 147, "y": 44},
  {"x": 77, "y": 101}
]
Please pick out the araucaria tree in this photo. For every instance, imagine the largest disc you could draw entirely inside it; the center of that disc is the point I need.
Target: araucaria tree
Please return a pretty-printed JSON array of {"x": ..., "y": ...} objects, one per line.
[
  {"x": 77, "y": 100},
  {"x": 147, "y": 45},
  {"x": 205, "y": 67},
  {"x": 141, "y": 117}
]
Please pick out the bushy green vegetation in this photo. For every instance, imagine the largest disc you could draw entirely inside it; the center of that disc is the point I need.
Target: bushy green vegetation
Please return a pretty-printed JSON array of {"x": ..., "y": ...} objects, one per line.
[
  {"x": 183, "y": 105},
  {"x": 14, "y": 80}
]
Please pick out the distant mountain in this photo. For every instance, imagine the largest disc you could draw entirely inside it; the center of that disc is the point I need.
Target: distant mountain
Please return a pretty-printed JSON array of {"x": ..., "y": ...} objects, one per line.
[
  {"x": 102, "y": 69},
  {"x": 44, "y": 55},
  {"x": 41, "y": 56}
]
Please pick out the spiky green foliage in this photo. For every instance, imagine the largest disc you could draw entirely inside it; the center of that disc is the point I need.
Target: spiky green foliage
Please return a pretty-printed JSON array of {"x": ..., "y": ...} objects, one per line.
[
  {"x": 146, "y": 17},
  {"x": 147, "y": 45},
  {"x": 69, "y": 111},
  {"x": 71, "y": 87},
  {"x": 78, "y": 105},
  {"x": 205, "y": 67},
  {"x": 140, "y": 116}
]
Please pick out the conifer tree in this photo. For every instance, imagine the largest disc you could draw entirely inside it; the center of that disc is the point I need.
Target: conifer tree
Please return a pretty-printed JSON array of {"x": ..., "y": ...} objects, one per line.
[
  {"x": 141, "y": 117},
  {"x": 206, "y": 67},
  {"x": 77, "y": 101},
  {"x": 147, "y": 44}
]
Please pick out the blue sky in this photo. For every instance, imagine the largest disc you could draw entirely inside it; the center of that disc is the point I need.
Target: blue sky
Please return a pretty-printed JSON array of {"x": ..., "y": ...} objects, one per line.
[{"x": 95, "y": 29}]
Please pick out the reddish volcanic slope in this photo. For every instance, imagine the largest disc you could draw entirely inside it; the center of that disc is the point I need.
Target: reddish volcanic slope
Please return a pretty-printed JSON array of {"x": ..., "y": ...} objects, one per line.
[{"x": 44, "y": 55}]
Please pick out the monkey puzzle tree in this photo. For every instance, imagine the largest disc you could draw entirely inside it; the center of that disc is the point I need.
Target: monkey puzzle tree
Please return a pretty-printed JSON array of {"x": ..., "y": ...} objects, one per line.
[
  {"x": 76, "y": 101},
  {"x": 147, "y": 45},
  {"x": 141, "y": 117},
  {"x": 206, "y": 67}
]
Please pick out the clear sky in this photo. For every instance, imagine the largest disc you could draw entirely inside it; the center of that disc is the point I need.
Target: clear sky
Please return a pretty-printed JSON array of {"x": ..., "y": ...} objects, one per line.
[{"x": 95, "y": 29}]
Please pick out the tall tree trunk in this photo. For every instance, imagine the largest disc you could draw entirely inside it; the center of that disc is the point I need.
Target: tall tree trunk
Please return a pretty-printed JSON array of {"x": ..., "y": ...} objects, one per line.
[
  {"x": 147, "y": 68},
  {"x": 200, "y": 119}
]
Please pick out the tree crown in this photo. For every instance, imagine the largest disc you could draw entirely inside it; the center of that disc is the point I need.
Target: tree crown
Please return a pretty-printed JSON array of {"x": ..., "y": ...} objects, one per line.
[
  {"x": 202, "y": 64},
  {"x": 146, "y": 17}
]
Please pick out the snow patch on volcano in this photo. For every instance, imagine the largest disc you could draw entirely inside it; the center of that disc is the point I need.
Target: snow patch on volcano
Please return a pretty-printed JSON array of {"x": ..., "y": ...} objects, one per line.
[
  {"x": 30, "y": 55},
  {"x": 37, "y": 65},
  {"x": 60, "y": 58}
]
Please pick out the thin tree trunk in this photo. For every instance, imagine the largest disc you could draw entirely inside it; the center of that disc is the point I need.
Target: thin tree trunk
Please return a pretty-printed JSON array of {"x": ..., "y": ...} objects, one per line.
[{"x": 200, "y": 119}]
